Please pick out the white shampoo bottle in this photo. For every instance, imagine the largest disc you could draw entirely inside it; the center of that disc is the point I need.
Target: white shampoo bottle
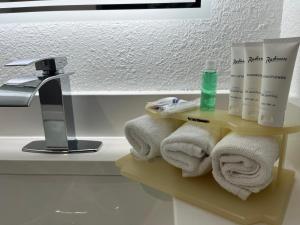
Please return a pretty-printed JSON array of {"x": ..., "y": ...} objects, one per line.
[
  {"x": 253, "y": 56},
  {"x": 279, "y": 61},
  {"x": 236, "y": 79}
]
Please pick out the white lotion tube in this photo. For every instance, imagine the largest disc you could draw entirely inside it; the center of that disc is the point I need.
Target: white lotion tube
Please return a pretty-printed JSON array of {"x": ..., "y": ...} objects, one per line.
[
  {"x": 279, "y": 61},
  {"x": 253, "y": 56},
  {"x": 236, "y": 79}
]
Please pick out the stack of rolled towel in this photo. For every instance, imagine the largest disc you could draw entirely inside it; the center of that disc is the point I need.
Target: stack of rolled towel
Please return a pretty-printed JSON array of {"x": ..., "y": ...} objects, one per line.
[
  {"x": 145, "y": 134},
  {"x": 243, "y": 164},
  {"x": 185, "y": 146},
  {"x": 240, "y": 164},
  {"x": 189, "y": 148}
]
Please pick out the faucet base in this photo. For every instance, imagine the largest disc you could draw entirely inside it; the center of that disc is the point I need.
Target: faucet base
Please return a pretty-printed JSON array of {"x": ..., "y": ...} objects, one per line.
[{"x": 75, "y": 146}]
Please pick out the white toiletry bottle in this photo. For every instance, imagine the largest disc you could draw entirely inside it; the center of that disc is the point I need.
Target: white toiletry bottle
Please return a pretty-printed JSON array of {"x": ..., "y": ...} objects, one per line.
[
  {"x": 236, "y": 79},
  {"x": 253, "y": 56}
]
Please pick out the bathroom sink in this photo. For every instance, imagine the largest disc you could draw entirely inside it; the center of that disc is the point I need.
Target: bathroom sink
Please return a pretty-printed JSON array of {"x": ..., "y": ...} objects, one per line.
[
  {"x": 78, "y": 200},
  {"x": 76, "y": 189}
]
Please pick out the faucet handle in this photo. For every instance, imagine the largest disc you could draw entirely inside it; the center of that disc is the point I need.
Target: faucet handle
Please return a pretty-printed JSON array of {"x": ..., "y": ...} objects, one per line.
[{"x": 47, "y": 65}]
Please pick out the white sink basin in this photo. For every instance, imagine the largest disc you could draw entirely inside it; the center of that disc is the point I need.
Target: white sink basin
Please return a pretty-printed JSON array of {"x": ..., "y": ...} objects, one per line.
[
  {"x": 79, "y": 200},
  {"x": 75, "y": 189}
]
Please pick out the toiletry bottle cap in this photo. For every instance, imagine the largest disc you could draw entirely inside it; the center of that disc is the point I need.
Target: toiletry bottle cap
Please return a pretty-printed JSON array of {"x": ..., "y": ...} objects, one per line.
[{"x": 211, "y": 65}]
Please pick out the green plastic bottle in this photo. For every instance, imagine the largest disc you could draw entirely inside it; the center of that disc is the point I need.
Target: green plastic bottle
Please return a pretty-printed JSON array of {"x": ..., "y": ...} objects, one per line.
[{"x": 208, "y": 87}]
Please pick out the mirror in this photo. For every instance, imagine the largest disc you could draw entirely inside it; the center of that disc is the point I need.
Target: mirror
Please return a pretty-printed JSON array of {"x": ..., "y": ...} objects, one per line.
[
  {"x": 45, "y": 10},
  {"x": 17, "y": 6}
]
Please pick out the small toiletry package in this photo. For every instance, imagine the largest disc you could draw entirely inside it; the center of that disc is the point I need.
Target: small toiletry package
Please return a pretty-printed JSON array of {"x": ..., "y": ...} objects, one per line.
[{"x": 171, "y": 105}]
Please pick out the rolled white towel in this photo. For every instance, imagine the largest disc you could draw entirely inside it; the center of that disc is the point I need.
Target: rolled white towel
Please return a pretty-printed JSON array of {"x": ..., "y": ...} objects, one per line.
[
  {"x": 145, "y": 134},
  {"x": 243, "y": 164},
  {"x": 189, "y": 148}
]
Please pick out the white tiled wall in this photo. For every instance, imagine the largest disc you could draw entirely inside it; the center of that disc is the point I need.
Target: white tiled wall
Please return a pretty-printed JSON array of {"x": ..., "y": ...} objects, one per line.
[
  {"x": 291, "y": 28},
  {"x": 143, "y": 54}
]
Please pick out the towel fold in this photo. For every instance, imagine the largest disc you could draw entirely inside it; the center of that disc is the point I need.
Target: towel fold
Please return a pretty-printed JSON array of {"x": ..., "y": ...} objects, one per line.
[
  {"x": 145, "y": 134},
  {"x": 189, "y": 148},
  {"x": 243, "y": 164}
]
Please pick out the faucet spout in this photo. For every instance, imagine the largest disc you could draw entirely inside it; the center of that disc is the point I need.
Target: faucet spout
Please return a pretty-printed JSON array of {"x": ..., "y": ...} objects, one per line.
[{"x": 19, "y": 92}]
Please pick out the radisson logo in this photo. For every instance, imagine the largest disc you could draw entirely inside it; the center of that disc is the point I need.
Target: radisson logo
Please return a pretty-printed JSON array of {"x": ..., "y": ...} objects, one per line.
[
  {"x": 254, "y": 59},
  {"x": 275, "y": 59},
  {"x": 238, "y": 61}
]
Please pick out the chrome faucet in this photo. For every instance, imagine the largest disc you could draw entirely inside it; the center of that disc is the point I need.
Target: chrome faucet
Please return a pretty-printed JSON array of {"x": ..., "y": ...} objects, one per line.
[{"x": 56, "y": 105}]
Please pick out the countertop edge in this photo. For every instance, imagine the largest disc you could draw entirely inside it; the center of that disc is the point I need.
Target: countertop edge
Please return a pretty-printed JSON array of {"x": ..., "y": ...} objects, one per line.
[{"x": 15, "y": 162}]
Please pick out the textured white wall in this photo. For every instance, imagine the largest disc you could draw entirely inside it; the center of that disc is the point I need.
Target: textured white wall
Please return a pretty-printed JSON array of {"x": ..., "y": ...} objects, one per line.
[
  {"x": 143, "y": 55},
  {"x": 291, "y": 28}
]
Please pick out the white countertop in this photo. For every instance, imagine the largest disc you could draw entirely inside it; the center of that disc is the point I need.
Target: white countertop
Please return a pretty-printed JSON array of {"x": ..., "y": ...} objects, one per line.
[{"x": 14, "y": 161}]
